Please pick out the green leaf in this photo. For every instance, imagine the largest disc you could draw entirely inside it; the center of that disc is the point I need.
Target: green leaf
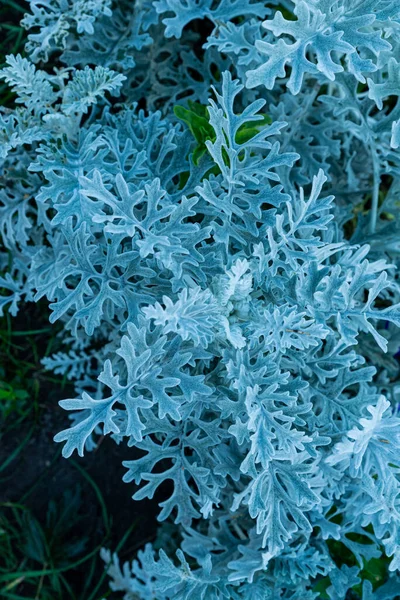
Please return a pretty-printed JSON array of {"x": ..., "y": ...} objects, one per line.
[
  {"x": 248, "y": 130},
  {"x": 197, "y": 119},
  {"x": 198, "y": 124}
]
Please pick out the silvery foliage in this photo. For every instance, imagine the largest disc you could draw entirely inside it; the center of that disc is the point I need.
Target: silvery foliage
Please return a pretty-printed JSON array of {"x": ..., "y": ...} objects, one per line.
[{"x": 236, "y": 319}]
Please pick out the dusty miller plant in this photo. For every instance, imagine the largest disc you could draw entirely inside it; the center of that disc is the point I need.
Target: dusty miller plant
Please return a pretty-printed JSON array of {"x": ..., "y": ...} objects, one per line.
[{"x": 207, "y": 192}]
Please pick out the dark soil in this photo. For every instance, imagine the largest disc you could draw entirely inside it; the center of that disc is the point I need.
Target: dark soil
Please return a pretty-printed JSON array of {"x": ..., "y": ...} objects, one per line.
[
  {"x": 41, "y": 473},
  {"x": 38, "y": 474}
]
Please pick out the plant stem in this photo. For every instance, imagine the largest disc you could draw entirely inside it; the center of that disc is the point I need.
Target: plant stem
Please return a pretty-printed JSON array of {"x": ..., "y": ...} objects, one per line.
[{"x": 375, "y": 190}]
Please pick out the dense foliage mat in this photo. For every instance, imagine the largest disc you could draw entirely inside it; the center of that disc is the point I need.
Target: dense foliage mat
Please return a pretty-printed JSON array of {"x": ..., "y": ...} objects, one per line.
[{"x": 207, "y": 194}]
